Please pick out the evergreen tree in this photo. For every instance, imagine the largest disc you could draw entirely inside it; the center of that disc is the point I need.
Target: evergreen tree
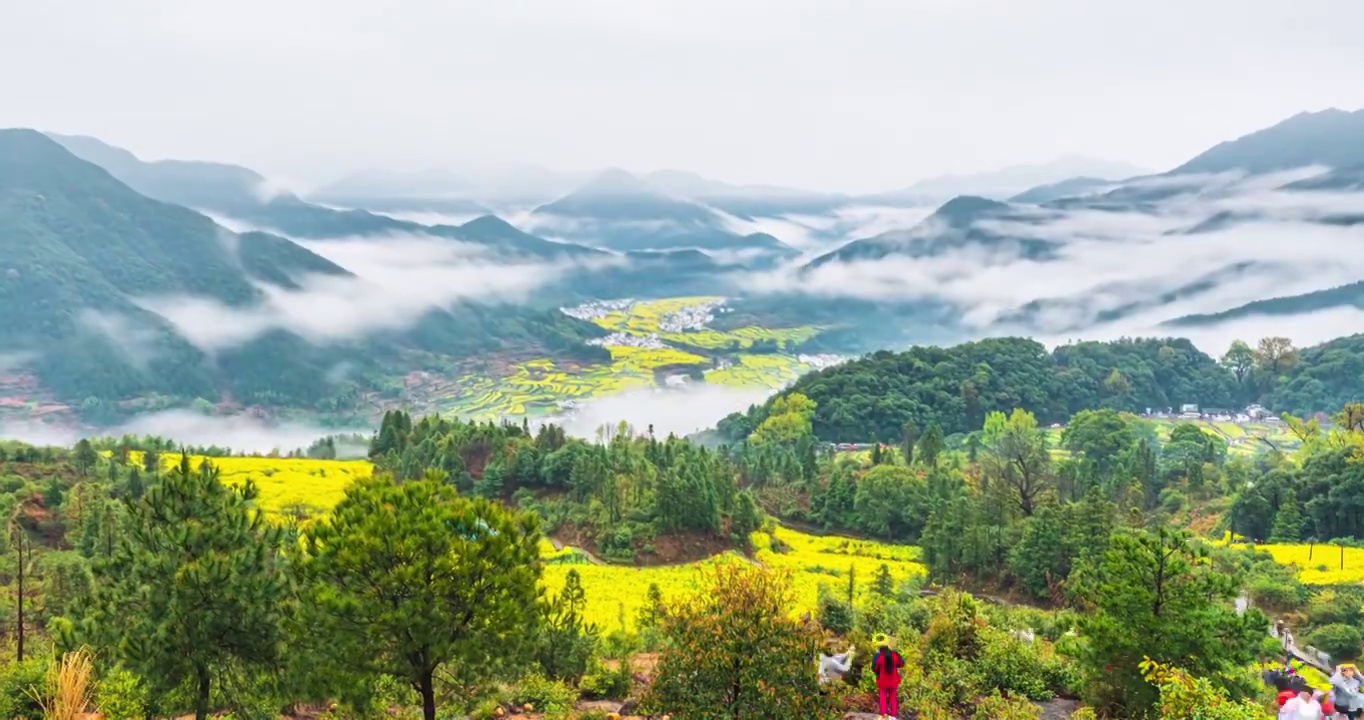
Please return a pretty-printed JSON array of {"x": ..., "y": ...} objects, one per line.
[
  {"x": 883, "y": 584},
  {"x": 909, "y": 437},
  {"x": 1157, "y": 595},
  {"x": 410, "y": 578},
  {"x": 566, "y": 639},
  {"x": 84, "y": 456},
  {"x": 135, "y": 486},
  {"x": 1287, "y": 522},
  {"x": 931, "y": 445},
  {"x": 734, "y": 652},
  {"x": 195, "y": 586}
]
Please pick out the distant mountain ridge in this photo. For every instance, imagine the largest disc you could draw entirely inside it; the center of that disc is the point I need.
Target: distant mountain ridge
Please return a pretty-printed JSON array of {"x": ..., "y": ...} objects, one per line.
[
  {"x": 621, "y": 211},
  {"x": 1332, "y": 137},
  {"x": 953, "y": 226},
  {"x": 1014, "y": 179}
]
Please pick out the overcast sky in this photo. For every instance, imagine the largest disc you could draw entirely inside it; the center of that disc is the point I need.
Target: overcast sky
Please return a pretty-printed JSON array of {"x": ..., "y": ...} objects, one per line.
[{"x": 838, "y": 94}]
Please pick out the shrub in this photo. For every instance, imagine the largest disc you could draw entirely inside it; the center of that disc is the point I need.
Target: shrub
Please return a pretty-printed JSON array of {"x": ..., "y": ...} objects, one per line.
[
  {"x": 1012, "y": 666},
  {"x": 18, "y": 681},
  {"x": 543, "y": 694},
  {"x": 120, "y": 695},
  {"x": 1273, "y": 592},
  {"x": 1339, "y": 641},
  {"x": 998, "y": 707},
  {"x": 613, "y": 684}
]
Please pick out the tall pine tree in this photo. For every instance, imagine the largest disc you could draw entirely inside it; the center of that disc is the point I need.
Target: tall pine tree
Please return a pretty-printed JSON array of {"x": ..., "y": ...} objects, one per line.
[
  {"x": 196, "y": 586},
  {"x": 1287, "y": 522}
]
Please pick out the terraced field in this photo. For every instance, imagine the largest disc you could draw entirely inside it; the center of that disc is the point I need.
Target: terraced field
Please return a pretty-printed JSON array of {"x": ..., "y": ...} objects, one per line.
[
  {"x": 543, "y": 387},
  {"x": 1242, "y": 438},
  {"x": 649, "y": 316}
]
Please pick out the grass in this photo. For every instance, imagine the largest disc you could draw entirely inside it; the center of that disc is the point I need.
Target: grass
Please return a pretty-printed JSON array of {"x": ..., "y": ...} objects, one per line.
[{"x": 70, "y": 686}]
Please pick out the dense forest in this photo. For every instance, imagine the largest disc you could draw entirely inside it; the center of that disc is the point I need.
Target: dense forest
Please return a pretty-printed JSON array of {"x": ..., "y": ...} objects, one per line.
[
  {"x": 874, "y": 397},
  {"x": 616, "y": 496}
]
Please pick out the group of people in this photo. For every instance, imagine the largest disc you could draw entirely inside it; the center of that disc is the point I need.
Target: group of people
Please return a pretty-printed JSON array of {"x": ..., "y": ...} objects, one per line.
[
  {"x": 1298, "y": 701},
  {"x": 885, "y": 664}
]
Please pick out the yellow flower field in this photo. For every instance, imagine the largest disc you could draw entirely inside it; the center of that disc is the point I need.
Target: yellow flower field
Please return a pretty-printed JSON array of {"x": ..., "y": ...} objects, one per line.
[
  {"x": 614, "y": 591},
  {"x": 313, "y": 487},
  {"x": 644, "y": 318},
  {"x": 1320, "y": 565},
  {"x": 771, "y": 371}
]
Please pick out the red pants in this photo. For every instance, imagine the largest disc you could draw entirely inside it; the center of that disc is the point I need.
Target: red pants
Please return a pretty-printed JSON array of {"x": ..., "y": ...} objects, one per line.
[{"x": 890, "y": 701}]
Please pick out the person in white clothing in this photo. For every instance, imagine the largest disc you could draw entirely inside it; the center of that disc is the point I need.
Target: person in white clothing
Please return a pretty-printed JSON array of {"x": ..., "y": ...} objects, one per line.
[
  {"x": 834, "y": 667},
  {"x": 1305, "y": 706}
]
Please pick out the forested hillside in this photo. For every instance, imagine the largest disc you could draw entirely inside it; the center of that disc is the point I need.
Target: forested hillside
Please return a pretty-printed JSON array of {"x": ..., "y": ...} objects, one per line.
[
  {"x": 874, "y": 397},
  {"x": 83, "y": 253}
]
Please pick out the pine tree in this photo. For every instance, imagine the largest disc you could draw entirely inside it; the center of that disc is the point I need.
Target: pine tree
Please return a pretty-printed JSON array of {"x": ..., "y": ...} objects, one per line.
[
  {"x": 909, "y": 436},
  {"x": 135, "y": 486},
  {"x": 196, "y": 585},
  {"x": 84, "y": 456},
  {"x": 1287, "y": 523},
  {"x": 407, "y": 579},
  {"x": 883, "y": 584},
  {"x": 931, "y": 445}
]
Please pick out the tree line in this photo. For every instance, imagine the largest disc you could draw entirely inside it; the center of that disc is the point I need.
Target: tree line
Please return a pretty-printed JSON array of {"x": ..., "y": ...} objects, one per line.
[{"x": 955, "y": 388}]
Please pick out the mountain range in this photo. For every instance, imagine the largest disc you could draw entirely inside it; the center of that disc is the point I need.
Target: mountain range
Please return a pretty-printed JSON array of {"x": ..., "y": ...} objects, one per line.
[
  {"x": 99, "y": 250},
  {"x": 86, "y": 258}
]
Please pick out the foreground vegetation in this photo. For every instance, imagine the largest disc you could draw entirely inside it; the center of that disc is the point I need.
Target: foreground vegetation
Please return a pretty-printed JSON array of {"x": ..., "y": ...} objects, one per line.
[{"x": 423, "y": 579}]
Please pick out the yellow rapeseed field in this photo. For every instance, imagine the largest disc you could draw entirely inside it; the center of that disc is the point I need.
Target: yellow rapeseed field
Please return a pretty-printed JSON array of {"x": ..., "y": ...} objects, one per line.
[
  {"x": 1320, "y": 564},
  {"x": 290, "y": 486}
]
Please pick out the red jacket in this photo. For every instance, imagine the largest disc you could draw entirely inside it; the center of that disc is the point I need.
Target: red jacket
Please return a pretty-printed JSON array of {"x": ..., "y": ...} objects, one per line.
[{"x": 886, "y": 665}]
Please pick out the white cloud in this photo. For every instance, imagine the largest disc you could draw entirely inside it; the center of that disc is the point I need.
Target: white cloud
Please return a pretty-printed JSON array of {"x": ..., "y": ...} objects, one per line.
[
  {"x": 1121, "y": 261},
  {"x": 134, "y": 340},
  {"x": 242, "y": 433},
  {"x": 396, "y": 281}
]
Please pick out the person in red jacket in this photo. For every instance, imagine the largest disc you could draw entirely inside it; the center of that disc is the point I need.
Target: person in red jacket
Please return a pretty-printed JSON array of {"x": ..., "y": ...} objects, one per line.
[{"x": 886, "y": 664}]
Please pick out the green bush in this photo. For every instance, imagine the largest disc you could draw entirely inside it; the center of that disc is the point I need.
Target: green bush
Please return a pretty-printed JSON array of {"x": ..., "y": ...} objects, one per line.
[
  {"x": 1339, "y": 641},
  {"x": 120, "y": 695},
  {"x": 1275, "y": 592},
  {"x": 607, "y": 684},
  {"x": 544, "y": 695},
  {"x": 998, "y": 707},
  {"x": 1013, "y": 666},
  {"x": 18, "y": 680},
  {"x": 834, "y": 614}
]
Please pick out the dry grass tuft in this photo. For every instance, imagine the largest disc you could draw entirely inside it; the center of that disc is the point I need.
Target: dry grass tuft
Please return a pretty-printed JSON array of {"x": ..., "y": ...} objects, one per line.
[{"x": 70, "y": 685}]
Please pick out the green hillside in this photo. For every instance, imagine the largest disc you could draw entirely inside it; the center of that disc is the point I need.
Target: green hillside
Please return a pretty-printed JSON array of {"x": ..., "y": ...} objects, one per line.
[{"x": 80, "y": 248}]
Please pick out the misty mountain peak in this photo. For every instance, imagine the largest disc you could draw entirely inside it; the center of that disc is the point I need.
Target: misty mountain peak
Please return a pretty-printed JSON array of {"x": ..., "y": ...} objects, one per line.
[
  {"x": 965, "y": 208},
  {"x": 1331, "y": 137},
  {"x": 614, "y": 182}
]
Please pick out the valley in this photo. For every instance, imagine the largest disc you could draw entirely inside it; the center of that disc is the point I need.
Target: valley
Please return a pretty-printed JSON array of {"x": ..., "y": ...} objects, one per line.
[{"x": 664, "y": 343}]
